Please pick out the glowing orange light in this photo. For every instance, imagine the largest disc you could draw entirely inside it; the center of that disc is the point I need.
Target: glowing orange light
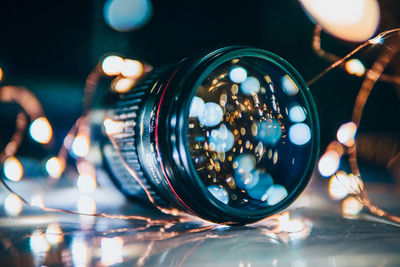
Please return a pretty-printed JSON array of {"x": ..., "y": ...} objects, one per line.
[
  {"x": 13, "y": 205},
  {"x": 113, "y": 127},
  {"x": 352, "y": 20},
  {"x": 355, "y": 67},
  {"x": 351, "y": 206},
  {"x": 123, "y": 85},
  {"x": 86, "y": 183},
  {"x": 55, "y": 167},
  {"x": 346, "y": 133},
  {"x": 1, "y": 74},
  {"x": 329, "y": 163},
  {"x": 13, "y": 169},
  {"x": 112, "y": 65},
  {"x": 339, "y": 185},
  {"x": 132, "y": 68},
  {"x": 81, "y": 145},
  {"x": 41, "y": 131}
]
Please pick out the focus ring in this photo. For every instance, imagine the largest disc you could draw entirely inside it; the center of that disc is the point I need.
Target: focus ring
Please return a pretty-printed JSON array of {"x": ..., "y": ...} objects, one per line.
[{"x": 127, "y": 111}]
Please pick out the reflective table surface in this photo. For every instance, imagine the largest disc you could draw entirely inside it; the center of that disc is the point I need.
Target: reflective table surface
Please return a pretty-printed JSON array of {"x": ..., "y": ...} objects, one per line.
[{"x": 312, "y": 232}]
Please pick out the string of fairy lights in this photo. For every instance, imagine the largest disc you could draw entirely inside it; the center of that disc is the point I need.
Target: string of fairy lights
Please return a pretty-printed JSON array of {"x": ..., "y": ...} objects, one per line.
[{"x": 126, "y": 72}]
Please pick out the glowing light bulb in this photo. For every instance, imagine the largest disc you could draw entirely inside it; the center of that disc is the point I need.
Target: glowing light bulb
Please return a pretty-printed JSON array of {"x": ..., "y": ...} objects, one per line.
[
  {"x": 123, "y": 85},
  {"x": 54, "y": 234},
  {"x": 37, "y": 201},
  {"x": 329, "y": 163},
  {"x": 13, "y": 169},
  {"x": 355, "y": 67},
  {"x": 41, "y": 131},
  {"x": 86, "y": 205},
  {"x": 355, "y": 20},
  {"x": 112, "y": 65},
  {"x": 13, "y": 205},
  {"x": 346, "y": 133},
  {"x": 55, "y": 167},
  {"x": 339, "y": 185},
  {"x": 132, "y": 68},
  {"x": 111, "y": 250},
  {"x": 351, "y": 206},
  {"x": 86, "y": 183},
  {"x": 81, "y": 145}
]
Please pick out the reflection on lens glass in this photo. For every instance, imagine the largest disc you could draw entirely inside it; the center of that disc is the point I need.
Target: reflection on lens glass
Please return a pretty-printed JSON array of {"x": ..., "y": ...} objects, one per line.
[{"x": 249, "y": 133}]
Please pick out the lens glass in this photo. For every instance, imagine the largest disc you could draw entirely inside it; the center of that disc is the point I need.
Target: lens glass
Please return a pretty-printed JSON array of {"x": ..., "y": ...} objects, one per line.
[{"x": 250, "y": 133}]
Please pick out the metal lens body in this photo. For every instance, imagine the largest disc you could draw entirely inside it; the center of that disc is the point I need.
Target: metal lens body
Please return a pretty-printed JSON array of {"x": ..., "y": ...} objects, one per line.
[{"x": 230, "y": 135}]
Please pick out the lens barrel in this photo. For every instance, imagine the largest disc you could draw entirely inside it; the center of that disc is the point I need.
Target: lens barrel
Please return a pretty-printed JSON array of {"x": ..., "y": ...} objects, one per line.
[{"x": 229, "y": 135}]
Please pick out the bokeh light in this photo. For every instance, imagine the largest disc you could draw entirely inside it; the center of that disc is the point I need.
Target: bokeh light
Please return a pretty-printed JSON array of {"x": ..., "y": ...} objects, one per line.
[
  {"x": 238, "y": 75},
  {"x": 112, "y": 65},
  {"x": 329, "y": 163},
  {"x": 346, "y": 133},
  {"x": 351, "y": 20},
  {"x": 81, "y": 145},
  {"x": 123, "y": 85},
  {"x": 299, "y": 134},
  {"x": 13, "y": 205},
  {"x": 219, "y": 193},
  {"x": 39, "y": 243},
  {"x": 351, "y": 206},
  {"x": 54, "y": 234},
  {"x": 86, "y": 183},
  {"x": 132, "y": 68},
  {"x": 79, "y": 252},
  {"x": 86, "y": 205},
  {"x": 111, "y": 250},
  {"x": 355, "y": 67},
  {"x": 13, "y": 169},
  {"x": 41, "y": 131},
  {"x": 127, "y": 15},
  {"x": 55, "y": 167},
  {"x": 339, "y": 185},
  {"x": 37, "y": 201},
  {"x": 113, "y": 127}
]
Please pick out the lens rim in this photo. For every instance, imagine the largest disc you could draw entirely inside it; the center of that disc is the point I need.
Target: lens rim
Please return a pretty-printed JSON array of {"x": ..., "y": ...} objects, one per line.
[{"x": 194, "y": 71}]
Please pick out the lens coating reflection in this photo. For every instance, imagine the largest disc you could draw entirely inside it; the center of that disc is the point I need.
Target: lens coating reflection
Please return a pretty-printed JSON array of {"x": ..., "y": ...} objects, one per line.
[{"x": 249, "y": 133}]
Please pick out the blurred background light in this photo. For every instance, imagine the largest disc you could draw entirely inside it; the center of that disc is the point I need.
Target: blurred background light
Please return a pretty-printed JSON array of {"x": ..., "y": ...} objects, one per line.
[
  {"x": 86, "y": 205},
  {"x": 111, "y": 250},
  {"x": 127, "y": 15},
  {"x": 351, "y": 20},
  {"x": 37, "y": 201},
  {"x": 41, "y": 131},
  {"x": 339, "y": 185},
  {"x": 13, "y": 205},
  {"x": 55, "y": 167},
  {"x": 123, "y": 85},
  {"x": 351, "y": 206},
  {"x": 132, "y": 68},
  {"x": 81, "y": 145},
  {"x": 13, "y": 169},
  {"x": 54, "y": 234},
  {"x": 86, "y": 183},
  {"x": 112, "y": 65},
  {"x": 79, "y": 252},
  {"x": 355, "y": 67},
  {"x": 299, "y": 134},
  {"x": 39, "y": 243},
  {"x": 329, "y": 163},
  {"x": 346, "y": 133}
]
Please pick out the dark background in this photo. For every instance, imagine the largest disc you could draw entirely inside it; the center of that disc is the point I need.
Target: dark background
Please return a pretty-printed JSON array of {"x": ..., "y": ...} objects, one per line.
[{"x": 51, "y": 46}]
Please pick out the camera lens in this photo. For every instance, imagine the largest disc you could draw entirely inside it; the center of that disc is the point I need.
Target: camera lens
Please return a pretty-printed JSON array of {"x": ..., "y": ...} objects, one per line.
[{"x": 230, "y": 135}]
